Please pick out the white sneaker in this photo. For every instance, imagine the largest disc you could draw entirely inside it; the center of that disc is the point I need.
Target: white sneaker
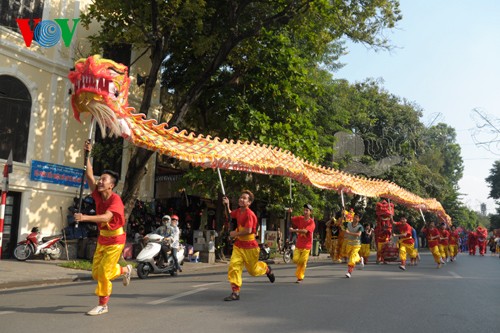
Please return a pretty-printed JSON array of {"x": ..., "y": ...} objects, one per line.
[
  {"x": 348, "y": 275},
  {"x": 126, "y": 276},
  {"x": 442, "y": 261},
  {"x": 447, "y": 259},
  {"x": 362, "y": 263},
  {"x": 401, "y": 267},
  {"x": 98, "y": 310}
]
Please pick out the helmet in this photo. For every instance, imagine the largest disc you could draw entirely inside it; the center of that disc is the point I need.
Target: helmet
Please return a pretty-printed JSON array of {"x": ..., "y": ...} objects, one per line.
[
  {"x": 166, "y": 218},
  {"x": 175, "y": 217}
]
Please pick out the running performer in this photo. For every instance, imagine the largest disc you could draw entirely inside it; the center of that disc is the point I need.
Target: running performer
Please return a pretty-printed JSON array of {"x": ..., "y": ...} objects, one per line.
[
  {"x": 245, "y": 249},
  {"x": 304, "y": 227},
  {"x": 406, "y": 242},
  {"x": 432, "y": 235},
  {"x": 110, "y": 219}
]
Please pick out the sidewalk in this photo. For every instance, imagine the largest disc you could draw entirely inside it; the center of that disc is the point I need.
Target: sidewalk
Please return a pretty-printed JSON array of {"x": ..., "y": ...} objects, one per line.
[{"x": 37, "y": 272}]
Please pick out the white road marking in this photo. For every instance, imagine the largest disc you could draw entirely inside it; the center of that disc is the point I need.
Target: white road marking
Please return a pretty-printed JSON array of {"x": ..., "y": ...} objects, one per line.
[
  {"x": 6, "y": 312},
  {"x": 455, "y": 275},
  {"x": 206, "y": 284},
  {"x": 168, "y": 299}
]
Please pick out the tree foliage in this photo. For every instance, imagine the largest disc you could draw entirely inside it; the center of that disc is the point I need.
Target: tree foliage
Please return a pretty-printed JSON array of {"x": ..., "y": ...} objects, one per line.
[{"x": 494, "y": 181}]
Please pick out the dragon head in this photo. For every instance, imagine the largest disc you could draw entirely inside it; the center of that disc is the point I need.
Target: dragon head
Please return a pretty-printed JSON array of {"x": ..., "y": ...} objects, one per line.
[{"x": 100, "y": 87}]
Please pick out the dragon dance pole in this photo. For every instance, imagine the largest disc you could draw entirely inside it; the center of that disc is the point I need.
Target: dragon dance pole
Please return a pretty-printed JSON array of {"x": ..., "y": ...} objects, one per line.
[
  {"x": 288, "y": 214},
  {"x": 221, "y": 183},
  {"x": 342, "y": 199},
  {"x": 5, "y": 189},
  {"x": 226, "y": 208},
  {"x": 85, "y": 158},
  {"x": 422, "y": 214}
]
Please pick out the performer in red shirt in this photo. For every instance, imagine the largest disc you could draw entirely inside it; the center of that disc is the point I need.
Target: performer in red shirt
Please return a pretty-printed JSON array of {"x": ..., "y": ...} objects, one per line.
[
  {"x": 453, "y": 243},
  {"x": 443, "y": 243},
  {"x": 472, "y": 240},
  {"x": 383, "y": 238},
  {"x": 482, "y": 239},
  {"x": 110, "y": 219},
  {"x": 304, "y": 227},
  {"x": 432, "y": 234},
  {"x": 406, "y": 242},
  {"x": 245, "y": 249}
]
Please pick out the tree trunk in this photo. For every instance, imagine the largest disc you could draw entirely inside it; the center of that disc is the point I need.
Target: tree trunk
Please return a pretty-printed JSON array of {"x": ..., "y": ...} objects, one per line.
[{"x": 137, "y": 168}]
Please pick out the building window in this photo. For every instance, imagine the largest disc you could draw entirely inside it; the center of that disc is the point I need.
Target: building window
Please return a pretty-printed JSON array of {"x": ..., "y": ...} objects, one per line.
[
  {"x": 15, "y": 115},
  {"x": 11, "y": 10}
]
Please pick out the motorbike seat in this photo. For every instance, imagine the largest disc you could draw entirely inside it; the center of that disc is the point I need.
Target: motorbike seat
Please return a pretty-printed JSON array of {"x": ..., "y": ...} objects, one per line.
[{"x": 48, "y": 238}]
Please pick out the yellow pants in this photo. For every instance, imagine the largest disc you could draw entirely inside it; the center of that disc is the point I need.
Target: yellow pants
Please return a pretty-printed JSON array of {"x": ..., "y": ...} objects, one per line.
[
  {"x": 333, "y": 249},
  {"x": 436, "y": 254},
  {"x": 404, "y": 248},
  {"x": 300, "y": 258},
  {"x": 453, "y": 249},
  {"x": 380, "y": 247},
  {"x": 343, "y": 249},
  {"x": 365, "y": 251},
  {"x": 443, "y": 249},
  {"x": 250, "y": 259},
  {"x": 353, "y": 254},
  {"x": 105, "y": 267}
]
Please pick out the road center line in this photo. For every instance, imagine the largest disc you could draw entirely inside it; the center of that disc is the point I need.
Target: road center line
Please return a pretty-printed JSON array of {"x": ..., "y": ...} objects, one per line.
[
  {"x": 171, "y": 298},
  {"x": 206, "y": 284},
  {"x": 455, "y": 275}
]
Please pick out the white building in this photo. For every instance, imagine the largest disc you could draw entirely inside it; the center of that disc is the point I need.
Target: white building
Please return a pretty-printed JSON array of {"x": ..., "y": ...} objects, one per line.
[{"x": 36, "y": 119}]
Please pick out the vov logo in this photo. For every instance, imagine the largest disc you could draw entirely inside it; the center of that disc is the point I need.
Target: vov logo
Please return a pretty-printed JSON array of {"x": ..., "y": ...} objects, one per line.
[{"x": 47, "y": 33}]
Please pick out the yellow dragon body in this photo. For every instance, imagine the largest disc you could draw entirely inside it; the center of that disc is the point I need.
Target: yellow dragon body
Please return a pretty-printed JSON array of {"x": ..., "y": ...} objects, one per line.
[{"x": 101, "y": 88}]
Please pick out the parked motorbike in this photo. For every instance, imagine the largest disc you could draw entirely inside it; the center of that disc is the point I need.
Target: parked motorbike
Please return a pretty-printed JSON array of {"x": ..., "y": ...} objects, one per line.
[
  {"x": 150, "y": 260},
  {"x": 265, "y": 252},
  {"x": 33, "y": 245},
  {"x": 288, "y": 251}
]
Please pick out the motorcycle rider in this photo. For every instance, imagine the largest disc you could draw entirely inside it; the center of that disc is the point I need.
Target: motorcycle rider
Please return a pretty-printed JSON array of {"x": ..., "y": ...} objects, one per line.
[{"x": 165, "y": 230}]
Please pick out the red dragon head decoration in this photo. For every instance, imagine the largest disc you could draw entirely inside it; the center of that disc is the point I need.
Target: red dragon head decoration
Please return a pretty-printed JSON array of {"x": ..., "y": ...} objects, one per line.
[{"x": 101, "y": 88}]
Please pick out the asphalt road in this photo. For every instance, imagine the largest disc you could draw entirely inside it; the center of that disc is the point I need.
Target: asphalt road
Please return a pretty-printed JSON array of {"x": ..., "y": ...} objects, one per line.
[{"x": 460, "y": 297}]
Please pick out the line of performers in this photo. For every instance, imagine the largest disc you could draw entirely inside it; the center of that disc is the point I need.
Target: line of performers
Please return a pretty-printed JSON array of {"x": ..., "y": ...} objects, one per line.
[{"x": 350, "y": 241}]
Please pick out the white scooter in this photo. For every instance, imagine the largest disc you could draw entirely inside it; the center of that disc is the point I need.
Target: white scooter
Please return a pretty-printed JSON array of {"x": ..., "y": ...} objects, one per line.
[{"x": 150, "y": 260}]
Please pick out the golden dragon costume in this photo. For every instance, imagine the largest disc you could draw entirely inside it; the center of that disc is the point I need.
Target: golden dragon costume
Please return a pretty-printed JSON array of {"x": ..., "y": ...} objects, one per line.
[{"x": 101, "y": 88}]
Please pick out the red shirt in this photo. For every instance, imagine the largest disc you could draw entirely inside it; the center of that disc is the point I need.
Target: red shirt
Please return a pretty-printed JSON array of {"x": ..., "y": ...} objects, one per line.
[
  {"x": 246, "y": 219},
  {"x": 383, "y": 236},
  {"x": 406, "y": 230},
  {"x": 304, "y": 241},
  {"x": 113, "y": 204},
  {"x": 445, "y": 234},
  {"x": 472, "y": 239},
  {"x": 431, "y": 233},
  {"x": 453, "y": 239}
]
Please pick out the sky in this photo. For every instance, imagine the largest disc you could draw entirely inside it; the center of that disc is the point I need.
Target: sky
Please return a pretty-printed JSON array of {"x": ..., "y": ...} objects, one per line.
[{"x": 447, "y": 60}]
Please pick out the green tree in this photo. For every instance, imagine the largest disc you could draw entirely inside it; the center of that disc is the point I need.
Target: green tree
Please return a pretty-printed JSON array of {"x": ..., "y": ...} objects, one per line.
[
  {"x": 493, "y": 181},
  {"x": 430, "y": 164},
  {"x": 203, "y": 42}
]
